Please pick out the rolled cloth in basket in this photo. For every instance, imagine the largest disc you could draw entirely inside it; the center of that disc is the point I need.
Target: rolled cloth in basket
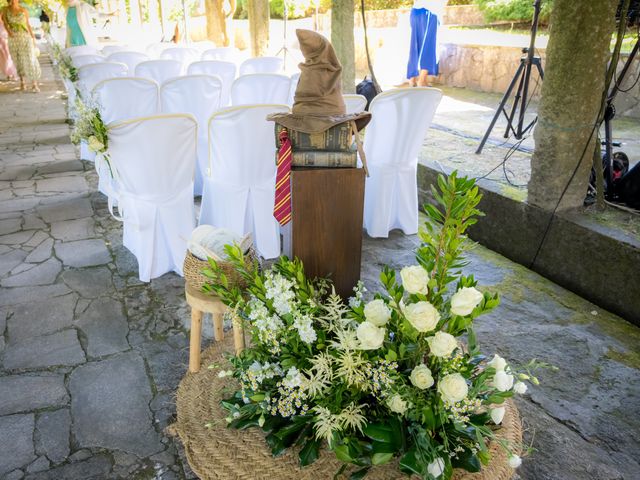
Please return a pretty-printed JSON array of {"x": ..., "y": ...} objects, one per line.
[{"x": 209, "y": 241}]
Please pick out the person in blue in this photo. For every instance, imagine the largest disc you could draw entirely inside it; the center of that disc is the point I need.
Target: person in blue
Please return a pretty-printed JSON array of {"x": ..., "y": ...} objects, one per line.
[
  {"x": 423, "y": 52},
  {"x": 80, "y": 27}
]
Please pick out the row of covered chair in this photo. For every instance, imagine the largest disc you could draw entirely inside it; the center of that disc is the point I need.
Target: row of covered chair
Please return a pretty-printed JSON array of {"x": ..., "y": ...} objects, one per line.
[{"x": 155, "y": 161}]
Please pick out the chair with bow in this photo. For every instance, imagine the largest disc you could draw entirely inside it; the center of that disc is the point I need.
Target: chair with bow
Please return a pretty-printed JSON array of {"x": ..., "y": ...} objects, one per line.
[
  {"x": 159, "y": 70},
  {"x": 292, "y": 87},
  {"x": 256, "y": 88},
  {"x": 225, "y": 54},
  {"x": 184, "y": 55},
  {"x": 239, "y": 192},
  {"x": 225, "y": 70},
  {"x": 399, "y": 124},
  {"x": 111, "y": 49},
  {"x": 81, "y": 50},
  {"x": 129, "y": 58},
  {"x": 90, "y": 75},
  {"x": 198, "y": 95},
  {"x": 262, "y": 65},
  {"x": 154, "y": 159},
  {"x": 122, "y": 99}
]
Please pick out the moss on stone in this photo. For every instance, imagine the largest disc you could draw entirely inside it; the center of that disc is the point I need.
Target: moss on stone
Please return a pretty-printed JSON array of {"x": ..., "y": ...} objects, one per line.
[{"x": 629, "y": 358}]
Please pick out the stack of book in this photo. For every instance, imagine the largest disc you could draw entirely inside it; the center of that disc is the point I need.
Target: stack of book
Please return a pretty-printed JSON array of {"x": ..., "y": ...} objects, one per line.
[{"x": 331, "y": 148}]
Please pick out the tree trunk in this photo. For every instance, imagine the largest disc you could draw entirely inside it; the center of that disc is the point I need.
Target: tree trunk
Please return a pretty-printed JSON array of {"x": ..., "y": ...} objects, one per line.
[
  {"x": 217, "y": 21},
  {"x": 577, "y": 56},
  {"x": 342, "y": 38},
  {"x": 258, "y": 11}
]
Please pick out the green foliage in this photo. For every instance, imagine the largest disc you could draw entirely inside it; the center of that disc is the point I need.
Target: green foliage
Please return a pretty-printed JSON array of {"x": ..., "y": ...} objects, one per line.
[{"x": 513, "y": 10}]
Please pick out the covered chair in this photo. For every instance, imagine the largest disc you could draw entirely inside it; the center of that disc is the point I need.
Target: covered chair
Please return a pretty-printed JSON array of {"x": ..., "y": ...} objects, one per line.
[
  {"x": 198, "y": 95},
  {"x": 354, "y": 102},
  {"x": 262, "y": 65},
  {"x": 399, "y": 124},
  {"x": 110, "y": 49},
  {"x": 225, "y": 54},
  {"x": 81, "y": 50},
  {"x": 184, "y": 55},
  {"x": 159, "y": 70},
  {"x": 271, "y": 88},
  {"x": 240, "y": 189},
  {"x": 292, "y": 87},
  {"x": 82, "y": 60},
  {"x": 122, "y": 99},
  {"x": 90, "y": 75},
  {"x": 225, "y": 70},
  {"x": 129, "y": 58},
  {"x": 155, "y": 159}
]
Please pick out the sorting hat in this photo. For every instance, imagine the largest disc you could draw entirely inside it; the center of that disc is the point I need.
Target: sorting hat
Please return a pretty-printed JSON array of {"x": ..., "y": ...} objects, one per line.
[{"x": 318, "y": 103}]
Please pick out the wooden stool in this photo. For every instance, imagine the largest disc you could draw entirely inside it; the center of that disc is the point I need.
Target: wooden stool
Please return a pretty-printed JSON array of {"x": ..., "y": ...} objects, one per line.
[{"x": 202, "y": 303}]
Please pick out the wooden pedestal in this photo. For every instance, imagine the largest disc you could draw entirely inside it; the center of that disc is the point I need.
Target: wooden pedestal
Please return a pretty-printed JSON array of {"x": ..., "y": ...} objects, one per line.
[{"x": 326, "y": 224}]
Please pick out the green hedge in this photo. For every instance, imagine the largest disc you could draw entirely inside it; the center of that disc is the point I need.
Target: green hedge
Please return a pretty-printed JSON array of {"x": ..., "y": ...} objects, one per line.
[{"x": 513, "y": 10}]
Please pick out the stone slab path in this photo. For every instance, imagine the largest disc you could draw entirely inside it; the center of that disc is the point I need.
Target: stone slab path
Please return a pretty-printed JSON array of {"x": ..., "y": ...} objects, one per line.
[{"x": 90, "y": 358}]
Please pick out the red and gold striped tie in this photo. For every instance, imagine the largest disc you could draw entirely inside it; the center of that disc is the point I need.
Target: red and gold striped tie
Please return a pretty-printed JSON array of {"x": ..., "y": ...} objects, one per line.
[{"x": 282, "y": 206}]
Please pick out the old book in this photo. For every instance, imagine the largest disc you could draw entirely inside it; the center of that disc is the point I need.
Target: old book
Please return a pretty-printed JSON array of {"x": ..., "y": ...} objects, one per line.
[
  {"x": 324, "y": 158},
  {"x": 339, "y": 137}
]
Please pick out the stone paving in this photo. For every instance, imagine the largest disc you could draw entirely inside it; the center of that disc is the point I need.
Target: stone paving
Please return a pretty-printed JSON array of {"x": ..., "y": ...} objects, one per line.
[{"x": 90, "y": 357}]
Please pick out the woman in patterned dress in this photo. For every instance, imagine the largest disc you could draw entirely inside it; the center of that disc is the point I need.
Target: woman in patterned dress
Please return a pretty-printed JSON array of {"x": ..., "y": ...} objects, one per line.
[{"x": 22, "y": 43}]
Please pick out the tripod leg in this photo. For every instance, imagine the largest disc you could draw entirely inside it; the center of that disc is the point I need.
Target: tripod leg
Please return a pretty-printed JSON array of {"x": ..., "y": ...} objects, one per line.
[
  {"x": 514, "y": 108},
  {"x": 525, "y": 94},
  {"x": 500, "y": 108},
  {"x": 540, "y": 72}
]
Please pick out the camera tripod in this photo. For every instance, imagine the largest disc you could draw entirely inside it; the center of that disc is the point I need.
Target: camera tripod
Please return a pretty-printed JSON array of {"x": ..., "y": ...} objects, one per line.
[
  {"x": 284, "y": 49},
  {"x": 522, "y": 77}
]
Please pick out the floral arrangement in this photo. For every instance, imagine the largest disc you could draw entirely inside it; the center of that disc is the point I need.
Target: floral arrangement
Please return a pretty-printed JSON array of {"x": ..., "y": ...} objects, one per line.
[
  {"x": 389, "y": 379},
  {"x": 65, "y": 65},
  {"x": 89, "y": 126}
]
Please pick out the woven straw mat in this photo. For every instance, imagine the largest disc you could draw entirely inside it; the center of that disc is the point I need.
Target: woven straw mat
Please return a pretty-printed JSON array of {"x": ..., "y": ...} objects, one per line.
[{"x": 216, "y": 452}]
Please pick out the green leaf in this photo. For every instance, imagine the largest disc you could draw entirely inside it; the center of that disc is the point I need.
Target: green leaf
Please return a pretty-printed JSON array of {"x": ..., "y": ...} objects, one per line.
[
  {"x": 391, "y": 356},
  {"x": 381, "y": 458},
  {"x": 309, "y": 452},
  {"x": 342, "y": 453},
  {"x": 360, "y": 474},
  {"x": 382, "y": 447},
  {"x": 409, "y": 463},
  {"x": 467, "y": 461},
  {"x": 378, "y": 432}
]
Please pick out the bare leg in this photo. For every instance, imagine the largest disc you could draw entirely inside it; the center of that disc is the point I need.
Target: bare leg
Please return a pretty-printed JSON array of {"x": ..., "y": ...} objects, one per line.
[
  {"x": 422, "y": 79},
  {"x": 413, "y": 81},
  {"x": 35, "y": 86},
  {"x": 21, "y": 83}
]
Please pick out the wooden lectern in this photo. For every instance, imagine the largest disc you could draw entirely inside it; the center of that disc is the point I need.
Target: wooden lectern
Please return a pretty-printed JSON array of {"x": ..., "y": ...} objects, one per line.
[{"x": 326, "y": 223}]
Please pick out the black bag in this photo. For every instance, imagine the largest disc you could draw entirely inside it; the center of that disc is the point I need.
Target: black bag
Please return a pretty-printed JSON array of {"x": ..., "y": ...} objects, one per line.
[{"x": 367, "y": 89}]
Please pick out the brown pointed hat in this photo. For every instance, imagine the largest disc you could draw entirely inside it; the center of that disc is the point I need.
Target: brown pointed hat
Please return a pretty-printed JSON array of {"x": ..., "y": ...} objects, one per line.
[{"x": 318, "y": 103}]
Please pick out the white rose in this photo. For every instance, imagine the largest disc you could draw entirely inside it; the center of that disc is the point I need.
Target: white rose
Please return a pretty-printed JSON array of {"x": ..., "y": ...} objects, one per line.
[
  {"x": 415, "y": 279},
  {"x": 497, "y": 414},
  {"x": 436, "y": 468},
  {"x": 421, "y": 377},
  {"x": 442, "y": 344},
  {"x": 397, "y": 405},
  {"x": 498, "y": 363},
  {"x": 94, "y": 144},
  {"x": 502, "y": 381},
  {"x": 453, "y": 388},
  {"x": 377, "y": 312},
  {"x": 370, "y": 336},
  {"x": 422, "y": 315},
  {"x": 520, "y": 388},
  {"x": 515, "y": 461},
  {"x": 465, "y": 300}
]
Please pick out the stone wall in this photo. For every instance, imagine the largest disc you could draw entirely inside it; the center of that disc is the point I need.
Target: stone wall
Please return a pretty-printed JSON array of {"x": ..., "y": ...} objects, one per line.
[
  {"x": 463, "y": 15},
  {"x": 491, "y": 68}
]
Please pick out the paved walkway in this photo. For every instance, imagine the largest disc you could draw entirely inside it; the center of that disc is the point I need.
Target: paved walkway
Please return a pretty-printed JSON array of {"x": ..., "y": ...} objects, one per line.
[{"x": 90, "y": 358}]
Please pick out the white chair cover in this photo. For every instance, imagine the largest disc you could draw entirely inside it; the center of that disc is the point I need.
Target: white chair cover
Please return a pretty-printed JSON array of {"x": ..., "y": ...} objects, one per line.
[
  {"x": 184, "y": 55},
  {"x": 159, "y": 70},
  {"x": 81, "y": 50},
  {"x": 155, "y": 49},
  {"x": 198, "y": 95},
  {"x": 267, "y": 88},
  {"x": 111, "y": 49},
  {"x": 399, "y": 124},
  {"x": 240, "y": 190},
  {"x": 154, "y": 158},
  {"x": 262, "y": 65},
  {"x": 225, "y": 70},
  {"x": 90, "y": 75},
  {"x": 292, "y": 87},
  {"x": 82, "y": 60},
  {"x": 226, "y": 54},
  {"x": 122, "y": 99},
  {"x": 355, "y": 103},
  {"x": 129, "y": 58},
  {"x": 203, "y": 45}
]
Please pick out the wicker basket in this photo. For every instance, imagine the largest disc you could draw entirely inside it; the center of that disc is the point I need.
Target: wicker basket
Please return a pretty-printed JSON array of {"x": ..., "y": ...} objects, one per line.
[
  {"x": 193, "y": 268},
  {"x": 216, "y": 452}
]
